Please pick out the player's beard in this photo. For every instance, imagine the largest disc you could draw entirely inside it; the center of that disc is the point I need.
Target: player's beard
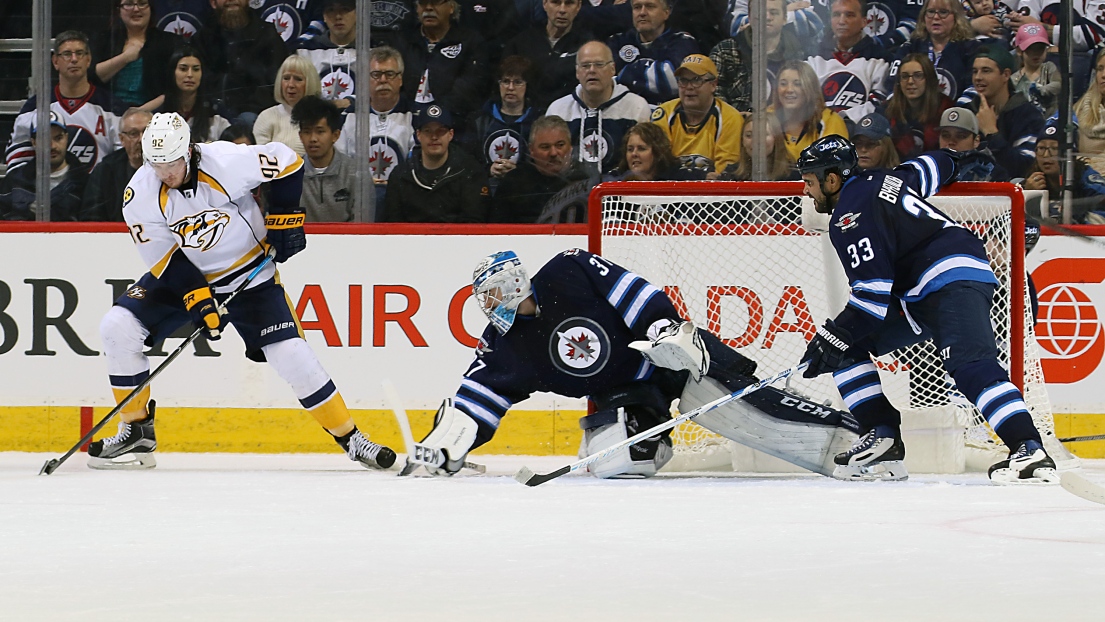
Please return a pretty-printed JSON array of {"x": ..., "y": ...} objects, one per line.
[
  {"x": 233, "y": 17},
  {"x": 827, "y": 202}
]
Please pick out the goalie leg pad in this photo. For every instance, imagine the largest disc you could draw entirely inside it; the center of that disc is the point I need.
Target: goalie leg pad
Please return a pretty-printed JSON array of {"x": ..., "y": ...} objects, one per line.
[
  {"x": 606, "y": 428},
  {"x": 444, "y": 449},
  {"x": 801, "y": 441}
]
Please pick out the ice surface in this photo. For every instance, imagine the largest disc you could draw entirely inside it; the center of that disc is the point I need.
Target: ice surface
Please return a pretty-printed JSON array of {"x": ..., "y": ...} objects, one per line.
[{"x": 313, "y": 537}]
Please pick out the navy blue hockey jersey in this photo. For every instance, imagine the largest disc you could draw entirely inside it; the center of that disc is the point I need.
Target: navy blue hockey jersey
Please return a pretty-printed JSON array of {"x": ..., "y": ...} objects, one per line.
[
  {"x": 893, "y": 244},
  {"x": 578, "y": 344}
]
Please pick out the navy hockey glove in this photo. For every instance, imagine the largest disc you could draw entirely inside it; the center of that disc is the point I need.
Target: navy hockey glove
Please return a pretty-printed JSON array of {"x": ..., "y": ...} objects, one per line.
[
  {"x": 205, "y": 313},
  {"x": 285, "y": 233},
  {"x": 826, "y": 350}
]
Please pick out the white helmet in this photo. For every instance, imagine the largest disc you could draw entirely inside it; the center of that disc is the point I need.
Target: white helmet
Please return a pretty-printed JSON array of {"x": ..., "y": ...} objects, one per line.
[
  {"x": 502, "y": 271},
  {"x": 166, "y": 138}
]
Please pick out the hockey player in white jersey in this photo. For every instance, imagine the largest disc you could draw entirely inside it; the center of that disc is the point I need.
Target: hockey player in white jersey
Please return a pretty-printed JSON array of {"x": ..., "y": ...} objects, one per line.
[{"x": 197, "y": 227}]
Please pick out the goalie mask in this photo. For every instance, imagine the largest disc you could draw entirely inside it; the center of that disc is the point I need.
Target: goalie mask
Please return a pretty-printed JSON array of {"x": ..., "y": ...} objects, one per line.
[{"x": 500, "y": 284}]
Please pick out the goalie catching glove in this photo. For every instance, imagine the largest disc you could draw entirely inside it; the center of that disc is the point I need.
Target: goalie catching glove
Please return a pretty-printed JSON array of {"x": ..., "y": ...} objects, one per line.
[
  {"x": 675, "y": 345},
  {"x": 825, "y": 352},
  {"x": 205, "y": 311},
  {"x": 444, "y": 449},
  {"x": 285, "y": 232}
]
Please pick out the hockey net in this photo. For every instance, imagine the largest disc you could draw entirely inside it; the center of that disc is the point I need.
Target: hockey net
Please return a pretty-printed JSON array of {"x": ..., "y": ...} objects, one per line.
[{"x": 748, "y": 262}]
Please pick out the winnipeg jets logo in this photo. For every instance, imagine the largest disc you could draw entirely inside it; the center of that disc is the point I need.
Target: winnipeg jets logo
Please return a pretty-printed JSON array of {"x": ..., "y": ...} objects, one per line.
[
  {"x": 202, "y": 230},
  {"x": 579, "y": 347},
  {"x": 286, "y": 21},
  {"x": 452, "y": 51},
  {"x": 181, "y": 24},
  {"x": 381, "y": 161},
  {"x": 843, "y": 90},
  {"x": 879, "y": 18},
  {"x": 337, "y": 84},
  {"x": 629, "y": 53},
  {"x": 503, "y": 145},
  {"x": 595, "y": 146},
  {"x": 387, "y": 15},
  {"x": 848, "y": 221}
]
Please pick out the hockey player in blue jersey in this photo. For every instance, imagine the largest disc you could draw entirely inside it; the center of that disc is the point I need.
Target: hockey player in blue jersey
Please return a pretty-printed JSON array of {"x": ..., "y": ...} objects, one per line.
[
  {"x": 586, "y": 327},
  {"x": 914, "y": 274}
]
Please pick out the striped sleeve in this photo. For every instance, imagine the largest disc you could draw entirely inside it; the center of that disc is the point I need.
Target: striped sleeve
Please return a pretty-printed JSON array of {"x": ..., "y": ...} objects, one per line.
[
  {"x": 871, "y": 297},
  {"x": 927, "y": 173},
  {"x": 481, "y": 403}
]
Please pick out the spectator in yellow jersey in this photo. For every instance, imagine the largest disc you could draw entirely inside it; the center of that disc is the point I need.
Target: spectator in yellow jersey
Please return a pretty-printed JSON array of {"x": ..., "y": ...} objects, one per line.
[
  {"x": 705, "y": 132},
  {"x": 801, "y": 110}
]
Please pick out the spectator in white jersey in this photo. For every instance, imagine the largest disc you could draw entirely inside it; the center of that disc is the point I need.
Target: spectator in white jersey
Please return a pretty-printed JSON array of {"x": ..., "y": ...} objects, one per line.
[
  {"x": 334, "y": 53},
  {"x": 103, "y": 196},
  {"x": 68, "y": 176},
  {"x": 850, "y": 65},
  {"x": 187, "y": 95},
  {"x": 90, "y": 113},
  {"x": 329, "y": 176},
  {"x": 296, "y": 79},
  {"x": 390, "y": 115}
]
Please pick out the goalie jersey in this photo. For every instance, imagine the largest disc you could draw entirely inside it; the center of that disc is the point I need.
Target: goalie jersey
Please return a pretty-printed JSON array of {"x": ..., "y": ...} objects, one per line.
[
  {"x": 893, "y": 244},
  {"x": 578, "y": 343},
  {"x": 213, "y": 217}
]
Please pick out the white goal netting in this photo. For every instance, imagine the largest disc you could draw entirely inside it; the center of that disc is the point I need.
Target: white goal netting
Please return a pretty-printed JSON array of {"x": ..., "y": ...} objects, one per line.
[{"x": 747, "y": 261}]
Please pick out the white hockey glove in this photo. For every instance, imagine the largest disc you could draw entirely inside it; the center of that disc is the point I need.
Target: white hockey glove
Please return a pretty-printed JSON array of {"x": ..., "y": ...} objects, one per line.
[
  {"x": 675, "y": 345},
  {"x": 444, "y": 449}
]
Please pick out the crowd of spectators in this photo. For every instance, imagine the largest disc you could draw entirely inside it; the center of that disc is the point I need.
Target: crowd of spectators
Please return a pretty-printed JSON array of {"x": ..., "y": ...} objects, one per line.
[{"x": 499, "y": 110}]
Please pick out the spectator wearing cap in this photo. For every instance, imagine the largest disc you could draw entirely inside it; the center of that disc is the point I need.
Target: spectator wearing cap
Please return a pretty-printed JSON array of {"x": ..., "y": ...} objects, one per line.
[
  {"x": 914, "y": 109},
  {"x": 1038, "y": 78},
  {"x": 103, "y": 196},
  {"x": 959, "y": 132},
  {"x": 1008, "y": 123},
  {"x": 1089, "y": 186},
  {"x": 438, "y": 183},
  {"x": 646, "y": 55},
  {"x": 68, "y": 176},
  {"x": 333, "y": 52},
  {"x": 704, "y": 131},
  {"x": 874, "y": 147},
  {"x": 551, "y": 47}
]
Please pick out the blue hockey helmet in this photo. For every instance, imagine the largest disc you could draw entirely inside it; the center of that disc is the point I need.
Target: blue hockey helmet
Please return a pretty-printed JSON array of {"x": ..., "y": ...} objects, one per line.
[
  {"x": 500, "y": 284},
  {"x": 829, "y": 154}
]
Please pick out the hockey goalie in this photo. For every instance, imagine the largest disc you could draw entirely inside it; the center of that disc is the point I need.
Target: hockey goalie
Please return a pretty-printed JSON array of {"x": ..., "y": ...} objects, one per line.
[{"x": 586, "y": 327}]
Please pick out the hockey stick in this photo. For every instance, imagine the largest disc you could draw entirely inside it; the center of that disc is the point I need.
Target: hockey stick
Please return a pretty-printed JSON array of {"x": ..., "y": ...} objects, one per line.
[
  {"x": 1077, "y": 439},
  {"x": 405, "y": 430},
  {"x": 529, "y": 478},
  {"x": 1076, "y": 484},
  {"x": 52, "y": 464}
]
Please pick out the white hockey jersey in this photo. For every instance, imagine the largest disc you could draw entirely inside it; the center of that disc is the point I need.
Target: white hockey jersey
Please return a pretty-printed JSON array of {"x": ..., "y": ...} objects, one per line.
[
  {"x": 850, "y": 89},
  {"x": 213, "y": 218},
  {"x": 93, "y": 123},
  {"x": 335, "y": 70}
]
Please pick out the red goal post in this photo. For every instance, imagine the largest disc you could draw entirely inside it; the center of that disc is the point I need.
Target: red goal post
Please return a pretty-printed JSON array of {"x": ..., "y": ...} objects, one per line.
[{"x": 728, "y": 253}]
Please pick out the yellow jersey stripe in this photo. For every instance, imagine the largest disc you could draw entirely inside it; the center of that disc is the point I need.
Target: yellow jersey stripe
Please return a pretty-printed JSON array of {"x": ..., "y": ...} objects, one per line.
[
  {"x": 159, "y": 268},
  {"x": 163, "y": 198},
  {"x": 248, "y": 257},
  {"x": 291, "y": 168},
  {"x": 211, "y": 181}
]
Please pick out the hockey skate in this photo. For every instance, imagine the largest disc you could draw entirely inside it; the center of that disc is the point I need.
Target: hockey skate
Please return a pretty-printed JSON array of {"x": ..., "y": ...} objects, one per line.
[
  {"x": 1027, "y": 464},
  {"x": 368, "y": 454},
  {"x": 877, "y": 455},
  {"x": 131, "y": 448}
]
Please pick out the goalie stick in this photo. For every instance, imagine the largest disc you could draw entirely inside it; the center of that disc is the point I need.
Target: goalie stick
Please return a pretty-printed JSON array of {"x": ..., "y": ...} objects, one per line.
[
  {"x": 401, "y": 418},
  {"x": 526, "y": 476},
  {"x": 53, "y": 464},
  {"x": 1077, "y": 484}
]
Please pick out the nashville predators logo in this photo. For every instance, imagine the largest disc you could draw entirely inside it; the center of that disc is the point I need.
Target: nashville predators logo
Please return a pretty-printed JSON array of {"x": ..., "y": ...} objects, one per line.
[
  {"x": 579, "y": 347},
  {"x": 202, "y": 230},
  {"x": 128, "y": 194}
]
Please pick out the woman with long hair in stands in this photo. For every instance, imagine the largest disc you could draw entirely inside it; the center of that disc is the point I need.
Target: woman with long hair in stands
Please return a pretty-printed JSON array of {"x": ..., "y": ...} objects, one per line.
[
  {"x": 1090, "y": 111},
  {"x": 780, "y": 166},
  {"x": 130, "y": 55},
  {"x": 647, "y": 156},
  {"x": 186, "y": 95},
  {"x": 800, "y": 108},
  {"x": 915, "y": 107},
  {"x": 945, "y": 36}
]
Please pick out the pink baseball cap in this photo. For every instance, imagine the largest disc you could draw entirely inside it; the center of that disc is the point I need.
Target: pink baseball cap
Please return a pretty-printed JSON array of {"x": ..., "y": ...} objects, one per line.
[{"x": 1029, "y": 34}]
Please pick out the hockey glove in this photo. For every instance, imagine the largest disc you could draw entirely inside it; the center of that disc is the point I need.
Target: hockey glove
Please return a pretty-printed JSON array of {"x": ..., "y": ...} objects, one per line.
[
  {"x": 205, "y": 312},
  {"x": 285, "y": 233},
  {"x": 826, "y": 350}
]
